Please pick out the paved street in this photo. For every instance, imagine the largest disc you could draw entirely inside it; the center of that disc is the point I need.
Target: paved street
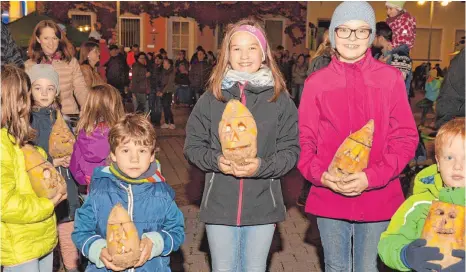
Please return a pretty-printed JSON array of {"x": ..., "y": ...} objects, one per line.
[{"x": 295, "y": 246}]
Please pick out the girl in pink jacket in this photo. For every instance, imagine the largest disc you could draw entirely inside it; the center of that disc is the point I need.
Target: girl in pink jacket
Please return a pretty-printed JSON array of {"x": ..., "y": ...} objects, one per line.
[{"x": 341, "y": 99}]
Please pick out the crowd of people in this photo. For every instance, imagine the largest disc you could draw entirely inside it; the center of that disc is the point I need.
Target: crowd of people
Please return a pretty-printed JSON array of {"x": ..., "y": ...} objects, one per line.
[{"x": 303, "y": 109}]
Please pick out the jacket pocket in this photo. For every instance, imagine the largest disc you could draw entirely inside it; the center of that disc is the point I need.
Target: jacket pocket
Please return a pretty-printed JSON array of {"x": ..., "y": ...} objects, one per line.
[
  {"x": 211, "y": 183},
  {"x": 271, "y": 193}
]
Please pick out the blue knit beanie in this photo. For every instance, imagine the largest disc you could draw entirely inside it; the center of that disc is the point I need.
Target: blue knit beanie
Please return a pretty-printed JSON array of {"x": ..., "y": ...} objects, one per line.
[{"x": 352, "y": 10}]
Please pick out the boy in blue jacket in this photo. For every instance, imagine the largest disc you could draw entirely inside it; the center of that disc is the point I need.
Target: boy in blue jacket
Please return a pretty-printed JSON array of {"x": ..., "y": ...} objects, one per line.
[{"x": 134, "y": 180}]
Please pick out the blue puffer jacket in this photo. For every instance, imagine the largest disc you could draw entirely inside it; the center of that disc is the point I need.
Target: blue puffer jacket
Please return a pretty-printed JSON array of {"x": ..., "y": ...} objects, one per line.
[{"x": 152, "y": 208}]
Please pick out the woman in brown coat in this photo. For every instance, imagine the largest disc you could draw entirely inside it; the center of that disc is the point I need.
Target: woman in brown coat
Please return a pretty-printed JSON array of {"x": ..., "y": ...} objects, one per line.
[
  {"x": 88, "y": 58},
  {"x": 48, "y": 45}
]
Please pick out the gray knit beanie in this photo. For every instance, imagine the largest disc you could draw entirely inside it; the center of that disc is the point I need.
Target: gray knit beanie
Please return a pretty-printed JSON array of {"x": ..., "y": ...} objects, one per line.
[
  {"x": 47, "y": 71},
  {"x": 352, "y": 10}
]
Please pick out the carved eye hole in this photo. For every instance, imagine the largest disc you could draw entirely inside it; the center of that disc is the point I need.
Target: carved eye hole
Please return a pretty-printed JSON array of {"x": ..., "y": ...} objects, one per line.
[
  {"x": 241, "y": 127},
  {"x": 452, "y": 215},
  {"x": 439, "y": 212},
  {"x": 227, "y": 128}
]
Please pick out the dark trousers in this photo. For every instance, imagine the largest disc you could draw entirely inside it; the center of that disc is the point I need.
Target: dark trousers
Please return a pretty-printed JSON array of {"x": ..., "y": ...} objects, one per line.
[
  {"x": 167, "y": 108},
  {"x": 155, "y": 107}
]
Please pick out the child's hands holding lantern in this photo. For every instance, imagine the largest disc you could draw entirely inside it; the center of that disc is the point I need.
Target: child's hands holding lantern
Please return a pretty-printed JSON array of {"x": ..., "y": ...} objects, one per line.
[
  {"x": 64, "y": 161},
  {"x": 246, "y": 169},
  {"x": 354, "y": 184},
  {"x": 106, "y": 258},
  {"x": 146, "y": 248},
  {"x": 225, "y": 165}
]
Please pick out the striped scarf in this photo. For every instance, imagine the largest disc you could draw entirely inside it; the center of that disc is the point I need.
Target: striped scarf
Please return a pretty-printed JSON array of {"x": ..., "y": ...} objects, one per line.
[{"x": 153, "y": 174}]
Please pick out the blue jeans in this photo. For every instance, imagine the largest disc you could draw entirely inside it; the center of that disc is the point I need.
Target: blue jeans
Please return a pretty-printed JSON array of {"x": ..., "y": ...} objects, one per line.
[
  {"x": 184, "y": 95},
  {"x": 238, "y": 249},
  {"x": 340, "y": 254},
  {"x": 44, "y": 264}
]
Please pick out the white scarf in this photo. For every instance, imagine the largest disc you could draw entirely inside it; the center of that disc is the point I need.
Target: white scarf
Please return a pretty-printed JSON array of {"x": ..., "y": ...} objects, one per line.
[{"x": 263, "y": 77}]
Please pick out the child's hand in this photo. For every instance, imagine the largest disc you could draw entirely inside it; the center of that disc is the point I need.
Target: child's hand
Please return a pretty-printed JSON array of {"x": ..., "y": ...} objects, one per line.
[
  {"x": 146, "y": 248},
  {"x": 107, "y": 260},
  {"x": 64, "y": 162},
  {"x": 459, "y": 266},
  {"x": 57, "y": 199},
  {"x": 354, "y": 184},
  {"x": 419, "y": 256},
  {"x": 247, "y": 169},
  {"x": 225, "y": 165}
]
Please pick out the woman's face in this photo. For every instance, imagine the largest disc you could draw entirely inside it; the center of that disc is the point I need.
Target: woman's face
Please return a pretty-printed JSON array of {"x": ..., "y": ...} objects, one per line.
[
  {"x": 200, "y": 55},
  {"x": 43, "y": 92},
  {"x": 352, "y": 49},
  {"x": 142, "y": 60},
  {"x": 94, "y": 56},
  {"x": 166, "y": 65},
  {"x": 245, "y": 53},
  {"x": 48, "y": 41},
  {"x": 300, "y": 60}
]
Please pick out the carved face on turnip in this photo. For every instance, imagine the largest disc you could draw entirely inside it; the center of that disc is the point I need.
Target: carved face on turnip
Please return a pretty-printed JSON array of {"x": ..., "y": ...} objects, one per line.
[
  {"x": 238, "y": 132},
  {"x": 444, "y": 228}
]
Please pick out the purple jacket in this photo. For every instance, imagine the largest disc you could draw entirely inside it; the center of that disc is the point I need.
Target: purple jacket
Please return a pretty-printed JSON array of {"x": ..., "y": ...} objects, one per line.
[{"x": 89, "y": 152}]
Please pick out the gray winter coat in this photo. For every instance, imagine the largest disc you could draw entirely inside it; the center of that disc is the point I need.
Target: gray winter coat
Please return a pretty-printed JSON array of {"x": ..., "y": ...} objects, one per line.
[{"x": 228, "y": 200}]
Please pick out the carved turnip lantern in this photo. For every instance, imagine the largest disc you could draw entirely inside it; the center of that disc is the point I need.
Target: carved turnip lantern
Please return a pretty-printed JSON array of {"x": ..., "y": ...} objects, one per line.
[
  {"x": 444, "y": 228},
  {"x": 238, "y": 132},
  {"x": 45, "y": 179},
  {"x": 353, "y": 154},
  {"x": 122, "y": 238},
  {"x": 61, "y": 139}
]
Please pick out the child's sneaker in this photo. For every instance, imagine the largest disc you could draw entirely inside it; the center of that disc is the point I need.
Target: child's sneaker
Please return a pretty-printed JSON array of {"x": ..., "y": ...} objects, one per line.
[
  {"x": 172, "y": 126},
  {"x": 165, "y": 126}
]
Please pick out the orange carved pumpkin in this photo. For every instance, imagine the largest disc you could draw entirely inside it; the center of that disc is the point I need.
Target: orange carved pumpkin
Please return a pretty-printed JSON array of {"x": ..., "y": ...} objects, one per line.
[
  {"x": 353, "y": 154},
  {"x": 61, "y": 139},
  {"x": 45, "y": 179},
  {"x": 122, "y": 238},
  {"x": 238, "y": 132},
  {"x": 444, "y": 228}
]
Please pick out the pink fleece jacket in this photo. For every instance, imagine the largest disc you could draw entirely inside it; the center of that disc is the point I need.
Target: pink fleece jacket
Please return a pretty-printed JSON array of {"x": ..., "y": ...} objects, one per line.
[{"x": 338, "y": 100}]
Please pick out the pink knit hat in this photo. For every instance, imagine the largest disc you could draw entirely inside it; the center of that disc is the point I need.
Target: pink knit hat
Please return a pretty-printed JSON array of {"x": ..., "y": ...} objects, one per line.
[{"x": 256, "y": 33}]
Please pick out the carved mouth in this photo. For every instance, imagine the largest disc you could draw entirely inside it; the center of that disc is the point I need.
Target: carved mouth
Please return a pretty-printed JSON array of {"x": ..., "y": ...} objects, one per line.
[
  {"x": 238, "y": 148},
  {"x": 445, "y": 231}
]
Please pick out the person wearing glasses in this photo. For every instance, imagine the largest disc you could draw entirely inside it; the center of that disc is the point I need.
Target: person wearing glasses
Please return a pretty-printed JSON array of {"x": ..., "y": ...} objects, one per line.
[{"x": 338, "y": 100}]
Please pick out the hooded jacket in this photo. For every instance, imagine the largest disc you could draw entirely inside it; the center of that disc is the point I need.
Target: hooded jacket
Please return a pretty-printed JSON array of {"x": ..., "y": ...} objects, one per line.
[
  {"x": 404, "y": 29},
  {"x": 151, "y": 206},
  {"x": 28, "y": 227},
  {"x": 228, "y": 200},
  {"x": 341, "y": 99},
  {"x": 89, "y": 152},
  {"x": 408, "y": 222}
]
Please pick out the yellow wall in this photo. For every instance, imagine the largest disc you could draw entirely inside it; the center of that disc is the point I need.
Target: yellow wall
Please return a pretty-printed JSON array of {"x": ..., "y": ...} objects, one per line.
[{"x": 449, "y": 19}]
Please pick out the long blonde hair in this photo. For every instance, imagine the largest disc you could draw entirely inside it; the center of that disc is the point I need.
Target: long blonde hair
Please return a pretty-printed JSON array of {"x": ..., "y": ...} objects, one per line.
[
  {"x": 16, "y": 104},
  {"x": 103, "y": 104},
  {"x": 324, "y": 47},
  {"x": 215, "y": 80}
]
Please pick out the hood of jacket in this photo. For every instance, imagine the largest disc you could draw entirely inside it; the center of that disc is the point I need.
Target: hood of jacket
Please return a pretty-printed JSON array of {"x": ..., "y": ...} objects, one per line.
[
  {"x": 95, "y": 146},
  {"x": 428, "y": 180}
]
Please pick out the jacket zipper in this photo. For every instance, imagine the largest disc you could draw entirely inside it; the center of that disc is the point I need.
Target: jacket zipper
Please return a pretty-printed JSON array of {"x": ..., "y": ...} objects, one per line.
[
  {"x": 210, "y": 188},
  {"x": 129, "y": 191},
  {"x": 271, "y": 193},
  {"x": 241, "y": 181}
]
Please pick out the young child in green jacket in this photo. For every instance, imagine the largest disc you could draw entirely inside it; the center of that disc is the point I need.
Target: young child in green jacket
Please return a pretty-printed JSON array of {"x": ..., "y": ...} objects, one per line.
[{"x": 400, "y": 247}]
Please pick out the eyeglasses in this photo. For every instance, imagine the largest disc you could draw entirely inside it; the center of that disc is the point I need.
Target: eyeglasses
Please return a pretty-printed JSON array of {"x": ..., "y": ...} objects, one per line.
[{"x": 345, "y": 33}]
